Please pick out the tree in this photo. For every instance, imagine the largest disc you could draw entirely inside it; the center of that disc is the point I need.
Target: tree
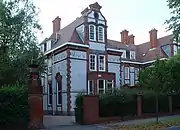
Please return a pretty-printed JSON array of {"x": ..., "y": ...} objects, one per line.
[
  {"x": 174, "y": 21},
  {"x": 18, "y": 43},
  {"x": 155, "y": 78}
]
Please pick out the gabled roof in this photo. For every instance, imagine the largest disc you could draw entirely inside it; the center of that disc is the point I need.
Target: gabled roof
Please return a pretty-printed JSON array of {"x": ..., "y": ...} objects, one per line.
[{"x": 143, "y": 51}]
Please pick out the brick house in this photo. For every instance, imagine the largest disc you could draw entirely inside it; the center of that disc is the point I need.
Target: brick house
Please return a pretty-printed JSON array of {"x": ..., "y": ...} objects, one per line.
[{"x": 80, "y": 58}]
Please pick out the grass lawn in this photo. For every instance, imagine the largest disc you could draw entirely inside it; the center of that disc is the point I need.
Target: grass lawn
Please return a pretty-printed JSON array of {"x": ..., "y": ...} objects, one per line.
[{"x": 151, "y": 125}]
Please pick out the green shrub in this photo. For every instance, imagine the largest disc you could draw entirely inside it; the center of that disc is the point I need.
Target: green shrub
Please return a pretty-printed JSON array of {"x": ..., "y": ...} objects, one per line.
[
  {"x": 14, "y": 105},
  {"x": 163, "y": 103},
  {"x": 176, "y": 102},
  {"x": 79, "y": 108},
  {"x": 120, "y": 103},
  {"x": 148, "y": 103}
]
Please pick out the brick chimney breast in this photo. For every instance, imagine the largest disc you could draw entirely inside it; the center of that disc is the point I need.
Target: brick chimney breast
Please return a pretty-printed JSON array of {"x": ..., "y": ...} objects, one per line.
[
  {"x": 131, "y": 39},
  {"x": 153, "y": 38},
  {"x": 124, "y": 36},
  {"x": 56, "y": 24}
]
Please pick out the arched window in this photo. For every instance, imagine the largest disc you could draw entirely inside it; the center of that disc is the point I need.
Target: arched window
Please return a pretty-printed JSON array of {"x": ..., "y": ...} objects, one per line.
[
  {"x": 100, "y": 34},
  {"x": 92, "y": 32}
]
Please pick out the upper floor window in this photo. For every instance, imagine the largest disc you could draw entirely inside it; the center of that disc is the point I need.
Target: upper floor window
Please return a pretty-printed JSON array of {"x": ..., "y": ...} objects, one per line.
[
  {"x": 123, "y": 54},
  {"x": 92, "y": 32},
  {"x": 132, "y": 55},
  {"x": 101, "y": 63},
  {"x": 45, "y": 47},
  {"x": 92, "y": 62},
  {"x": 100, "y": 34}
]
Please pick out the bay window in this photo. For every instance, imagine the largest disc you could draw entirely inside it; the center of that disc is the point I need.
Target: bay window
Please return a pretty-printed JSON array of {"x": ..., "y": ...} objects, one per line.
[
  {"x": 92, "y": 62},
  {"x": 126, "y": 72},
  {"x": 101, "y": 62}
]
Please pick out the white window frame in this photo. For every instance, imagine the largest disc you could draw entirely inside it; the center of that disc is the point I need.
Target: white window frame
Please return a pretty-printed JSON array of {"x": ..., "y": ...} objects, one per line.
[
  {"x": 90, "y": 92},
  {"x": 107, "y": 82},
  {"x": 126, "y": 74},
  {"x": 132, "y": 55},
  {"x": 100, "y": 39},
  {"x": 104, "y": 87},
  {"x": 95, "y": 62},
  {"x": 136, "y": 73},
  {"x": 49, "y": 94},
  {"x": 123, "y": 54},
  {"x": 57, "y": 88},
  {"x": 94, "y": 31},
  {"x": 104, "y": 64},
  {"x": 175, "y": 50}
]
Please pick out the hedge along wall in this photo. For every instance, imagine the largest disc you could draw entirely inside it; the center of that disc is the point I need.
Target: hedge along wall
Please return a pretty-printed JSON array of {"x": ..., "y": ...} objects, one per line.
[
  {"x": 176, "y": 102},
  {"x": 149, "y": 103},
  {"x": 120, "y": 103},
  {"x": 14, "y": 106}
]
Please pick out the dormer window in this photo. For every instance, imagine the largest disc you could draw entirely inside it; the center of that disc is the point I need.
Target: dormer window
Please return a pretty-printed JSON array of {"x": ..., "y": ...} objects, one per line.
[
  {"x": 92, "y": 32},
  {"x": 100, "y": 34},
  {"x": 132, "y": 55}
]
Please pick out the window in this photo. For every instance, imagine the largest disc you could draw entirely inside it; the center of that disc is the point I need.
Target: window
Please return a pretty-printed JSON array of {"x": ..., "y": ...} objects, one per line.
[
  {"x": 175, "y": 50},
  {"x": 100, "y": 34},
  {"x": 92, "y": 62},
  {"x": 101, "y": 86},
  {"x": 90, "y": 87},
  {"x": 132, "y": 55},
  {"x": 109, "y": 86},
  {"x": 50, "y": 94},
  {"x": 45, "y": 47},
  {"x": 126, "y": 72},
  {"x": 123, "y": 54},
  {"x": 101, "y": 63},
  {"x": 59, "y": 94},
  {"x": 92, "y": 32},
  {"x": 136, "y": 73}
]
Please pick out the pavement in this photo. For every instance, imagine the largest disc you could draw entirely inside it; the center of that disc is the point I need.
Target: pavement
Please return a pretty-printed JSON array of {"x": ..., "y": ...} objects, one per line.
[{"x": 68, "y": 123}]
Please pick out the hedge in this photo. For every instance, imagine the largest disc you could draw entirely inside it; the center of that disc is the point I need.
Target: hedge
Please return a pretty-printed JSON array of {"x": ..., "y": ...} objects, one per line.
[
  {"x": 120, "y": 103},
  {"x": 14, "y": 106},
  {"x": 124, "y": 103}
]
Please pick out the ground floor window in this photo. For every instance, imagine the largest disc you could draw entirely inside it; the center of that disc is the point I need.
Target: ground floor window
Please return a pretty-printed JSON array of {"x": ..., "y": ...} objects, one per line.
[
  {"x": 59, "y": 94},
  {"x": 90, "y": 87},
  {"x": 104, "y": 86},
  {"x": 50, "y": 94}
]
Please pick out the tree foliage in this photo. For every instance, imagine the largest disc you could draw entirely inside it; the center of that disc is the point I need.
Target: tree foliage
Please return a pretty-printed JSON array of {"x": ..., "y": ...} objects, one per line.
[
  {"x": 18, "y": 43},
  {"x": 174, "y": 21},
  {"x": 162, "y": 77}
]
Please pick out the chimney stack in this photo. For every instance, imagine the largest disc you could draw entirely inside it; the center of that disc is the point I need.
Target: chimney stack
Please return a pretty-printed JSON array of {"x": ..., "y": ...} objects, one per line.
[
  {"x": 153, "y": 38},
  {"x": 56, "y": 24},
  {"x": 124, "y": 36},
  {"x": 131, "y": 39}
]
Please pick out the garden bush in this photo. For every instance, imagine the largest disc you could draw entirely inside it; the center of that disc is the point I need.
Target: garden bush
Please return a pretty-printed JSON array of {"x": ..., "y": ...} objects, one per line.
[
  {"x": 176, "y": 102},
  {"x": 163, "y": 103},
  {"x": 79, "y": 108},
  {"x": 120, "y": 103},
  {"x": 149, "y": 103},
  {"x": 14, "y": 106}
]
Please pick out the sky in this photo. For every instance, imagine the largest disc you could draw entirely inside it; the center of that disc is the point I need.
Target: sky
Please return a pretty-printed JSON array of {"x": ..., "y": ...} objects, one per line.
[{"x": 137, "y": 16}]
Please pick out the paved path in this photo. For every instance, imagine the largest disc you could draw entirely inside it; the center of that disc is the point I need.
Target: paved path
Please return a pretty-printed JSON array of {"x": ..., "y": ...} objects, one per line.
[{"x": 68, "y": 123}]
